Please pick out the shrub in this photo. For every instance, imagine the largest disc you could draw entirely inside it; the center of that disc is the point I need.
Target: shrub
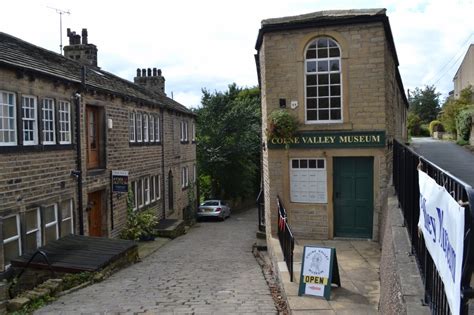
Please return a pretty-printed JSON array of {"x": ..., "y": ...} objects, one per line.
[
  {"x": 464, "y": 122},
  {"x": 424, "y": 130},
  {"x": 140, "y": 224},
  {"x": 435, "y": 125},
  {"x": 282, "y": 124},
  {"x": 414, "y": 123}
]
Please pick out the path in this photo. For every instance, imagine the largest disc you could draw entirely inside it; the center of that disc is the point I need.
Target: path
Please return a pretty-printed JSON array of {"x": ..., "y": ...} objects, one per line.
[{"x": 210, "y": 270}]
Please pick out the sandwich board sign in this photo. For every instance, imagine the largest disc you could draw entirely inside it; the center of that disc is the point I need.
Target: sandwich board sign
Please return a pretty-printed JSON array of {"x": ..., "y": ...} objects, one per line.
[{"x": 319, "y": 271}]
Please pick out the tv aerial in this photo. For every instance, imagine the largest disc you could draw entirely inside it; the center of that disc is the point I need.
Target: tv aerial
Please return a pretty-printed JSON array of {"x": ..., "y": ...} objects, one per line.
[{"x": 60, "y": 12}]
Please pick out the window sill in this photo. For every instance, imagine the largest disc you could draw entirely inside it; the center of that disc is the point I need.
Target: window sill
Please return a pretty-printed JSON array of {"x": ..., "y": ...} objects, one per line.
[
  {"x": 184, "y": 142},
  {"x": 95, "y": 172},
  {"x": 35, "y": 148},
  {"x": 144, "y": 144}
]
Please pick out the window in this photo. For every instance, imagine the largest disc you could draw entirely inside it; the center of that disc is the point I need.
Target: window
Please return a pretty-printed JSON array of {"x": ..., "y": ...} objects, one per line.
[
  {"x": 131, "y": 126},
  {"x": 323, "y": 81},
  {"x": 49, "y": 136},
  {"x": 67, "y": 226},
  {"x": 308, "y": 181},
  {"x": 145, "y": 128},
  {"x": 184, "y": 131},
  {"x": 157, "y": 129},
  {"x": 33, "y": 230},
  {"x": 152, "y": 188},
  {"x": 50, "y": 218},
  {"x": 134, "y": 190},
  {"x": 29, "y": 118},
  {"x": 158, "y": 187},
  {"x": 194, "y": 132},
  {"x": 140, "y": 193},
  {"x": 184, "y": 177},
  {"x": 139, "y": 127},
  {"x": 152, "y": 129},
  {"x": 7, "y": 118},
  {"x": 64, "y": 122},
  {"x": 146, "y": 190},
  {"x": 11, "y": 238},
  {"x": 194, "y": 173},
  {"x": 93, "y": 137}
]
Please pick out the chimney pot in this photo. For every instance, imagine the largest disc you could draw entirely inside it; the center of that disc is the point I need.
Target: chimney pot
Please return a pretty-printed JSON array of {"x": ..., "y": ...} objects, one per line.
[
  {"x": 149, "y": 72},
  {"x": 154, "y": 72},
  {"x": 159, "y": 72},
  {"x": 138, "y": 73},
  {"x": 143, "y": 72},
  {"x": 84, "y": 36}
]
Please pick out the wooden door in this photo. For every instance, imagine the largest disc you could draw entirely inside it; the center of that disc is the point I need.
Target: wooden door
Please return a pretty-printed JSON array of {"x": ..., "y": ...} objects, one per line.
[
  {"x": 93, "y": 136},
  {"x": 353, "y": 197},
  {"x": 94, "y": 204}
]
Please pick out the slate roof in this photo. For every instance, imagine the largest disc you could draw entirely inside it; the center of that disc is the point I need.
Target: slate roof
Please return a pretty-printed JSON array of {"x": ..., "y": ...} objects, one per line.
[{"x": 20, "y": 54}]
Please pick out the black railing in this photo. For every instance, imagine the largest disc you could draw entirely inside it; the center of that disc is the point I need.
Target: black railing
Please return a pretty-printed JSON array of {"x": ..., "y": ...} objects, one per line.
[
  {"x": 287, "y": 240},
  {"x": 405, "y": 179},
  {"x": 261, "y": 211}
]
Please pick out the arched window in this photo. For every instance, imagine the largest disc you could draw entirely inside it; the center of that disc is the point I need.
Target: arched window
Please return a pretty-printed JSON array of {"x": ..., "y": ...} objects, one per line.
[{"x": 323, "y": 81}]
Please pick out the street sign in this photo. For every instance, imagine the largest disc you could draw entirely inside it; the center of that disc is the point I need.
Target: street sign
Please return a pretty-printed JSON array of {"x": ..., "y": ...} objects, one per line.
[{"x": 319, "y": 271}]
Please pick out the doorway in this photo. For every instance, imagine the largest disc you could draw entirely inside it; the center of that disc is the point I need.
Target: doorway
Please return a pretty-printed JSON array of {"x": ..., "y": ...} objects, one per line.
[
  {"x": 170, "y": 191},
  {"x": 95, "y": 207},
  {"x": 353, "y": 197}
]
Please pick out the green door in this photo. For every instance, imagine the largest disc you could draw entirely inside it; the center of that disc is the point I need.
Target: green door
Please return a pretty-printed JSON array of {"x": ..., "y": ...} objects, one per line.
[{"x": 353, "y": 197}]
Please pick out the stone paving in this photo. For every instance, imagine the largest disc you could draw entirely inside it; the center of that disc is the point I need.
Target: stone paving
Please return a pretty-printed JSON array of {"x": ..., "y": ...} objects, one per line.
[{"x": 210, "y": 270}]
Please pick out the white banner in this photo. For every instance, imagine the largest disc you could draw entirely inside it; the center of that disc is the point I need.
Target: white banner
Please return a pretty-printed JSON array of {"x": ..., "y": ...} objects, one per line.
[{"x": 442, "y": 224}]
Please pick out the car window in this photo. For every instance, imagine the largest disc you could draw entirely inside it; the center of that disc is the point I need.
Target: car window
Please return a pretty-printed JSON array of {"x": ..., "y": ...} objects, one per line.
[
  {"x": 224, "y": 203},
  {"x": 210, "y": 203}
]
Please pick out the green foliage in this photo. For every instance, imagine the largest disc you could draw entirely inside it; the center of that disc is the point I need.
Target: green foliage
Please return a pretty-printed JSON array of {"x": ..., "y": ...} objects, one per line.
[
  {"x": 435, "y": 125},
  {"x": 414, "y": 123},
  {"x": 424, "y": 103},
  {"x": 34, "y": 305},
  {"x": 282, "y": 124},
  {"x": 228, "y": 142},
  {"x": 72, "y": 280},
  {"x": 462, "y": 142},
  {"x": 452, "y": 107},
  {"x": 140, "y": 224},
  {"x": 464, "y": 122},
  {"x": 424, "y": 130}
]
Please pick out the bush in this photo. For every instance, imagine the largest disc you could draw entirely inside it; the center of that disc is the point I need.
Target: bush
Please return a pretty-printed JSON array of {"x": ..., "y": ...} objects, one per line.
[
  {"x": 435, "y": 125},
  {"x": 282, "y": 124},
  {"x": 140, "y": 224},
  {"x": 424, "y": 130},
  {"x": 464, "y": 123},
  {"x": 414, "y": 123}
]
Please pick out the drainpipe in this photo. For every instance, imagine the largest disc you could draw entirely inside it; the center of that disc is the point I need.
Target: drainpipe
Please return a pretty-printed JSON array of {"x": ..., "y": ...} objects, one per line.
[
  {"x": 78, "y": 173},
  {"x": 163, "y": 175}
]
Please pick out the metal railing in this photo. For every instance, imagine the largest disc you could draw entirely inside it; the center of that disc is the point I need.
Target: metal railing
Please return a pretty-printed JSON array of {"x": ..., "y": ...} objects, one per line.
[
  {"x": 405, "y": 179},
  {"x": 261, "y": 211},
  {"x": 287, "y": 240}
]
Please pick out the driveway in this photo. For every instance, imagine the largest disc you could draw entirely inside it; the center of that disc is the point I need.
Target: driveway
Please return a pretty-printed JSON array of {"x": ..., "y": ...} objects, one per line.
[{"x": 210, "y": 270}]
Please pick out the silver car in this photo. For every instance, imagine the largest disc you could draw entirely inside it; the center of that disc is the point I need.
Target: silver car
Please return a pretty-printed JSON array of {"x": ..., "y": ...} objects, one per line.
[{"x": 214, "y": 208}]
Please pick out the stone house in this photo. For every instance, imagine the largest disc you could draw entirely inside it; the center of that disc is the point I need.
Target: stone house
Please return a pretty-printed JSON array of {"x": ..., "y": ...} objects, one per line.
[
  {"x": 464, "y": 76},
  {"x": 337, "y": 73},
  {"x": 65, "y": 126}
]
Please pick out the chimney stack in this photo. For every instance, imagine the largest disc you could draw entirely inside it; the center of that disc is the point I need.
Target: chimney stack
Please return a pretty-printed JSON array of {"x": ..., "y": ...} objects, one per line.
[
  {"x": 151, "y": 79},
  {"x": 84, "y": 52}
]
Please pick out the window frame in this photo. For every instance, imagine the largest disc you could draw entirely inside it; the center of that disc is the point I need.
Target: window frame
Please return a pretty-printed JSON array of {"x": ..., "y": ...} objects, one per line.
[
  {"x": 158, "y": 187},
  {"x": 157, "y": 129},
  {"x": 184, "y": 177},
  {"x": 71, "y": 217},
  {"x": 135, "y": 197},
  {"x": 25, "y": 119},
  {"x": 146, "y": 191},
  {"x": 146, "y": 134},
  {"x": 328, "y": 85},
  {"x": 323, "y": 171},
  {"x": 39, "y": 239},
  {"x": 64, "y": 123},
  {"x": 52, "y": 223},
  {"x": 46, "y": 102},
  {"x": 132, "y": 127},
  {"x": 10, "y": 119},
  {"x": 14, "y": 238},
  {"x": 139, "y": 127},
  {"x": 140, "y": 196},
  {"x": 152, "y": 128},
  {"x": 193, "y": 131}
]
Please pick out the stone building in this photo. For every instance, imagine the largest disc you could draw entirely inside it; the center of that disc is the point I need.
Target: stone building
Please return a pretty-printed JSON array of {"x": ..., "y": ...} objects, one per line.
[
  {"x": 66, "y": 126},
  {"x": 337, "y": 73},
  {"x": 464, "y": 76}
]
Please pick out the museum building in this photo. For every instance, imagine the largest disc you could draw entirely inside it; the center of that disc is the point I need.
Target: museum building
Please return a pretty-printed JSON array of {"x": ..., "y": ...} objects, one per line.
[{"x": 337, "y": 73}]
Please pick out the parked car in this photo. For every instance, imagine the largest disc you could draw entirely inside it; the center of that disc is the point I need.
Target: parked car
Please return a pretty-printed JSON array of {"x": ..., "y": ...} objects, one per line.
[{"x": 214, "y": 208}]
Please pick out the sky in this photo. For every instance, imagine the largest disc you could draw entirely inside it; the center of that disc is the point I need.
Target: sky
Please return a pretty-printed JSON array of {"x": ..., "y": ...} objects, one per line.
[{"x": 211, "y": 44}]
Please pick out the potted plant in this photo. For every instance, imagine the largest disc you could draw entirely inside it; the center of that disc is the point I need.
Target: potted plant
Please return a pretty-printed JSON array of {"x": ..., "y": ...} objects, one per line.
[{"x": 282, "y": 124}]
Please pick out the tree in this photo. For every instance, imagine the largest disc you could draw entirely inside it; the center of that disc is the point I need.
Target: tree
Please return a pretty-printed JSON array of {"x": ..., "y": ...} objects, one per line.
[
  {"x": 452, "y": 107},
  {"x": 424, "y": 103},
  {"x": 228, "y": 135}
]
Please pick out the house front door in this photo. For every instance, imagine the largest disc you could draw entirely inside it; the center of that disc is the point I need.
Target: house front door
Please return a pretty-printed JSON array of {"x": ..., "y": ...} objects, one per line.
[
  {"x": 94, "y": 205},
  {"x": 353, "y": 197}
]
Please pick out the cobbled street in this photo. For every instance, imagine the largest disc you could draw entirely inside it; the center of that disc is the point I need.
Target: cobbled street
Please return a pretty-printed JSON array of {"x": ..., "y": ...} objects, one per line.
[{"x": 210, "y": 270}]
